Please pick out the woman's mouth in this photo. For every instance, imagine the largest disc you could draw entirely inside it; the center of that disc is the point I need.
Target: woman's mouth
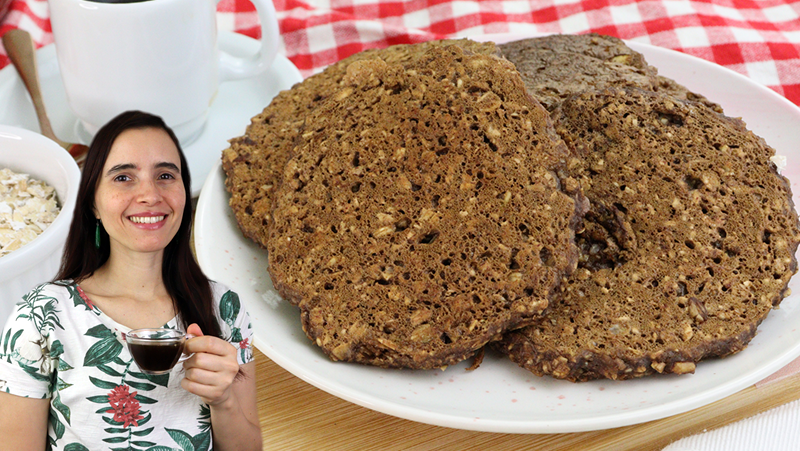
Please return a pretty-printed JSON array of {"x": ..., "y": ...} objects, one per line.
[{"x": 147, "y": 219}]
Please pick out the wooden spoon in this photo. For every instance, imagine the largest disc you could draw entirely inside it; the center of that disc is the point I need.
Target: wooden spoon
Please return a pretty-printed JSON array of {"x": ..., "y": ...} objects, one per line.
[{"x": 20, "y": 50}]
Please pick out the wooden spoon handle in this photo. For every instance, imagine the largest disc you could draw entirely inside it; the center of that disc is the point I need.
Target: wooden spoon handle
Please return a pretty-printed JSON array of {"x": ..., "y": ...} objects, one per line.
[{"x": 20, "y": 49}]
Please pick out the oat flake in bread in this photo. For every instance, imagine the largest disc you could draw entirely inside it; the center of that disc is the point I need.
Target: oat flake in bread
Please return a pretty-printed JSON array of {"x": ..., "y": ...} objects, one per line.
[
  {"x": 254, "y": 162},
  {"x": 557, "y": 66},
  {"x": 689, "y": 242},
  {"x": 423, "y": 213}
]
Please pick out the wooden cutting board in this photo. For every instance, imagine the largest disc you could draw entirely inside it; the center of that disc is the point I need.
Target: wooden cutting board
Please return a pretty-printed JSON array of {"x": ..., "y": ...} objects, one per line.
[{"x": 298, "y": 416}]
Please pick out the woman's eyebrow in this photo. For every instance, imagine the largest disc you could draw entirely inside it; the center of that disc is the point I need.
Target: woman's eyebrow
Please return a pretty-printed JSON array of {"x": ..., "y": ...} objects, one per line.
[
  {"x": 121, "y": 167},
  {"x": 127, "y": 166},
  {"x": 168, "y": 165}
]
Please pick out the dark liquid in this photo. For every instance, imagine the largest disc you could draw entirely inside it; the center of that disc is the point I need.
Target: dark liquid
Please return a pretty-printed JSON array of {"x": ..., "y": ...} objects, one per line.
[{"x": 156, "y": 357}]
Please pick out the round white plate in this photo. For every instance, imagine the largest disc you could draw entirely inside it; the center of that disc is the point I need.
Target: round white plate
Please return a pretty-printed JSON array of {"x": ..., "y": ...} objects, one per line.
[
  {"x": 499, "y": 396},
  {"x": 236, "y": 102}
]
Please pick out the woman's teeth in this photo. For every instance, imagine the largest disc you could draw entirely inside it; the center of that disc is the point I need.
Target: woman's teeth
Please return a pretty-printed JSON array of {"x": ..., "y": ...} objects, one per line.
[{"x": 146, "y": 219}]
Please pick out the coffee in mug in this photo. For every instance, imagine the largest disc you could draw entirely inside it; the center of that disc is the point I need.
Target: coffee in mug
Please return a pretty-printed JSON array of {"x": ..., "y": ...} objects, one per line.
[{"x": 158, "y": 56}]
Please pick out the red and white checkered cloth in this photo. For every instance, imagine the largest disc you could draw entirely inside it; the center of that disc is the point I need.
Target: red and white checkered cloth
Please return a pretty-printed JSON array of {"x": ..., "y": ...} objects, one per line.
[{"x": 757, "y": 38}]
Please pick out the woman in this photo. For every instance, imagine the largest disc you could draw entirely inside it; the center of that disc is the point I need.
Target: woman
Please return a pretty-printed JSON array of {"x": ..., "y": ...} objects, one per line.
[{"x": 66, "y": 379}]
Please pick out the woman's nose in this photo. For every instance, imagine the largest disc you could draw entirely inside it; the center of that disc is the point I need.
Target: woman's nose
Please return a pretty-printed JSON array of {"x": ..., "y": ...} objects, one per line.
[{"x": 149, "y": 192}]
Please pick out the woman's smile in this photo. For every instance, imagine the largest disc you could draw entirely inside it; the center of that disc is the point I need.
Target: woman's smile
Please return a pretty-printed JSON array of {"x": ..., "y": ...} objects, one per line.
[{"x": 147, "y": 219}]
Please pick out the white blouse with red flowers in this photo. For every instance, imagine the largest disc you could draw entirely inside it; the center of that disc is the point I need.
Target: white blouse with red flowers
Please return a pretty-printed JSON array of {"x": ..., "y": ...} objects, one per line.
[{"x": 57, "y": 344}]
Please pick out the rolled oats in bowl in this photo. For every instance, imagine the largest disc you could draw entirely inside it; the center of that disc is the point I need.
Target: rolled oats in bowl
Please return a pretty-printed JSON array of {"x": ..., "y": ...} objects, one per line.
[{"x": 27, "y": 207}]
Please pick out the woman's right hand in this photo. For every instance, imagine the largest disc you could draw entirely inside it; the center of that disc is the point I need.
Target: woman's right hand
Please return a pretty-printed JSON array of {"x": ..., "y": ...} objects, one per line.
[{"x": 211, "y": 370}]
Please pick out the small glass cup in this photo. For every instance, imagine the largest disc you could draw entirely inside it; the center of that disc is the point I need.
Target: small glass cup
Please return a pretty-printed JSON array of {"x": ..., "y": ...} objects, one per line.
[{"x": 156, "y": 350}]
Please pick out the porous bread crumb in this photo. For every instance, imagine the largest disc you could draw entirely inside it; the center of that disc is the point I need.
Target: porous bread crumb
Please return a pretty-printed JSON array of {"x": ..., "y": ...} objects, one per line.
[
  {"x": 254, "y": 162},
  {"x": 691, "y": 237},
  {"x": 418, "y": 261}
]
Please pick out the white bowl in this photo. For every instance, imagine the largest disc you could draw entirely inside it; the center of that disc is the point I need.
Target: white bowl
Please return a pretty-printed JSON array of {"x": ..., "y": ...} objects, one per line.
[{"x": 24, "y": 151}]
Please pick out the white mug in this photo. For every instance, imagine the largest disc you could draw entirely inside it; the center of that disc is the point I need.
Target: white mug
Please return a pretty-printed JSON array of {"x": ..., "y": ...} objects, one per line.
[{"x": 158, "y": 56}]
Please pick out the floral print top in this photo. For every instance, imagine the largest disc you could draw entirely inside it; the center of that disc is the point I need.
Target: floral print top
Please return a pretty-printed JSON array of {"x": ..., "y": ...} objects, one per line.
[{"x": 57, "y": 344}]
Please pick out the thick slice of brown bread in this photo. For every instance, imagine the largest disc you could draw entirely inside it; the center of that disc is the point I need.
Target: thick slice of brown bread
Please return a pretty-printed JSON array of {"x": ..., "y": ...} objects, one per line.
[
  {"x": 422, "y": 215},
  {"x": 254, "y": 162},
  {"x": 689, "y": 242},
  {"x": 557, "y": 66}
]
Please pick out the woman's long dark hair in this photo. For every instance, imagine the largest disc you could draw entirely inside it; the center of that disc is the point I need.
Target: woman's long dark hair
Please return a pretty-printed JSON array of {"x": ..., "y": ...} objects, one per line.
[{"x": 185, "y": 282}]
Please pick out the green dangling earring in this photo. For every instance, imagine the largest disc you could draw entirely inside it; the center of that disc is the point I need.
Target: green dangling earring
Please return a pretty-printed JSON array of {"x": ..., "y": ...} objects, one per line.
[{"x": 97, "y": 235}]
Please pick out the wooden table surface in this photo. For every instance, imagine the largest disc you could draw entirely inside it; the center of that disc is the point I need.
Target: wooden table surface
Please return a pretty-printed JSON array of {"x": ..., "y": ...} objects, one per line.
[{"x": 298, "y": 416}]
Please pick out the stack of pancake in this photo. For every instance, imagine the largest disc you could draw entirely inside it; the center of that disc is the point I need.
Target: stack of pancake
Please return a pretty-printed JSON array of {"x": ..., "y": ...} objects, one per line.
[{"x": 554, "y": 197}]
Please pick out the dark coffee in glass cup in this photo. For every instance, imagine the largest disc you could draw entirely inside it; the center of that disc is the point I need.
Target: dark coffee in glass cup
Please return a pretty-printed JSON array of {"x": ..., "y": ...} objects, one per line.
[{"x": 156, "y": 350}]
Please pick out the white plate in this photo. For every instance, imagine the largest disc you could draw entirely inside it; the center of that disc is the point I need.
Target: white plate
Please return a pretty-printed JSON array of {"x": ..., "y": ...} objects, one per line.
[
  {"x": 236, "y": 102},
  {"x": 499, "y": 396}
]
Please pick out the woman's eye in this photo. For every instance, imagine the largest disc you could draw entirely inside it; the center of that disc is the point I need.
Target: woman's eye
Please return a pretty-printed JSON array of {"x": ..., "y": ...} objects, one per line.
[
  {"x": 121, "y": 178},
  {"x": 166, "y": 176}
]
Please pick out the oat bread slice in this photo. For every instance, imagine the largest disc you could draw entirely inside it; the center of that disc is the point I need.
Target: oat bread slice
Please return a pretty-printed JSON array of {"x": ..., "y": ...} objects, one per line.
[
  {"x": 557, "y": 66},
  {"x": 689, "y": 243},
  {"x": 253, "y": 163},
  {"x": 423, "y": 214}
]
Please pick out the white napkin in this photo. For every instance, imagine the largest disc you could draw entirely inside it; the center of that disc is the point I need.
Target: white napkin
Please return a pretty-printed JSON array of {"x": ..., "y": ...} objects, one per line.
[{"x": 774, "y": 430}]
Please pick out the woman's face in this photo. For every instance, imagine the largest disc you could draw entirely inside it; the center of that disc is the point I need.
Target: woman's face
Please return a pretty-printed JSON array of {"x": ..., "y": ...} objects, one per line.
[{"x": 140, "y": 196}]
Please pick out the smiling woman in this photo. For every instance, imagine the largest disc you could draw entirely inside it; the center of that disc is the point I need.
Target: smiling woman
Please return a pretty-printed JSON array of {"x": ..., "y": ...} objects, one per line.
[{"x": 128, "y": 264}]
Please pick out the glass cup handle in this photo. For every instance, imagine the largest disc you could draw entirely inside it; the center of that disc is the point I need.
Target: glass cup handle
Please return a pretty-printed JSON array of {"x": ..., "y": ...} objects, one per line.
[{"x": 183, "y": 355}]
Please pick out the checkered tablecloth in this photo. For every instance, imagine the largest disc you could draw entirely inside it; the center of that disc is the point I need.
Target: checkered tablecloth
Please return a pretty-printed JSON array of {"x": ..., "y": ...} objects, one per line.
[{"x": 757, "y": 38}]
